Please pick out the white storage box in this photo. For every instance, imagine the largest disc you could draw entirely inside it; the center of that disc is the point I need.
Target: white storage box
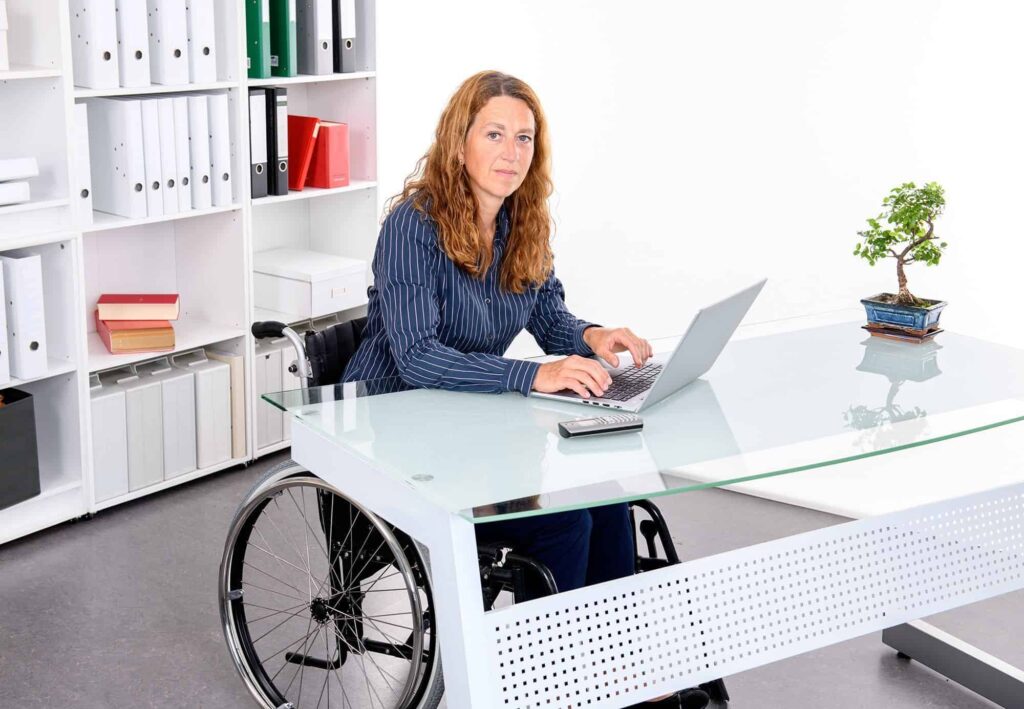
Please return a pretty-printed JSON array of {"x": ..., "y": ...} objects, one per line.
[
  {"x": 307, "y": 284},
  {"x": 213, "y": 406},
  {"x": 109, "y": 439},
  {"x": 144, "y": 411},
  {"x": 179, "y": 402},
  {"x": 267, "y": 373}
]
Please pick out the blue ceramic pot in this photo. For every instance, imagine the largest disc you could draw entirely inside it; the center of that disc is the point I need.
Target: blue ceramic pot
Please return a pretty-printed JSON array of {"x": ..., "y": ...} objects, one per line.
[{"x": 912, "y": 316}]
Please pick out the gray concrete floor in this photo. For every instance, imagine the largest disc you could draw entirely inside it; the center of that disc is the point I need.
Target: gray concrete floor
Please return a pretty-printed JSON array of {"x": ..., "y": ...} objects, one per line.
[{"x": 121, "y": 611}]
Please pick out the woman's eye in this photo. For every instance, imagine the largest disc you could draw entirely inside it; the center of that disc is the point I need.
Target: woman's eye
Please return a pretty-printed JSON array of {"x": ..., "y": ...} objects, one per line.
[
  {"x": 493, "y": 133},
  {"x": 528, "y": 139}
]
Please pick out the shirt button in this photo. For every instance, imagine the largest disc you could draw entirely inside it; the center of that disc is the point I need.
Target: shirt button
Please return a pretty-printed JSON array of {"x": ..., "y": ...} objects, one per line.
[
  {"x": 490, "y": 336},
  {"x": 487, "y": 300}
]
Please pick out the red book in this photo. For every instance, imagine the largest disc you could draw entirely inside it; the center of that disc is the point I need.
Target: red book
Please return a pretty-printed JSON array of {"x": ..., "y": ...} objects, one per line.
[
  {"x": 302, "y": 131},
  {"x": 138, "y": 306},
  {"x": 126, "y": 336},
  {"x": 330, "y": 156}
]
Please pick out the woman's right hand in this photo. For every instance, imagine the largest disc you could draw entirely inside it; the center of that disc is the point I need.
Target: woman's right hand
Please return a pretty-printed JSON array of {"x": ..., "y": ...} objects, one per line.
[{"x": 584, "y": 376}]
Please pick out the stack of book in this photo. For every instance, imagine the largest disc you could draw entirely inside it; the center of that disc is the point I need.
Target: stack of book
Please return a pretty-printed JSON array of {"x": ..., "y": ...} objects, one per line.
[
  {"x": 904, "y": 334},
  {"x": 130, "y": 322}
]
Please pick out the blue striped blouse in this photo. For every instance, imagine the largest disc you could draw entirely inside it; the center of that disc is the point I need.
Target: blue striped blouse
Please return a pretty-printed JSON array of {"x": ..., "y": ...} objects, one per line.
[{"x": 435, "y": 326}]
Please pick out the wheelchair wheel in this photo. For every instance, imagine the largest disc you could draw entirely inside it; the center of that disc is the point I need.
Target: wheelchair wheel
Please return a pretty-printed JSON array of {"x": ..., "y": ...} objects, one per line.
[{"x": 325, "y": 604}]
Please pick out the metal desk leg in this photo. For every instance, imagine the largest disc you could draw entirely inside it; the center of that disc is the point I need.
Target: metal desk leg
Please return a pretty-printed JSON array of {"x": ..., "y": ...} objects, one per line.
[{"x": 965, "y": 664}]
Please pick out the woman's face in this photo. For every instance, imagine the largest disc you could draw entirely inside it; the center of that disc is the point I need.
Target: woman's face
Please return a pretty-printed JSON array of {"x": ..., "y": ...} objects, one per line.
[{"x": 499, "y": 147}]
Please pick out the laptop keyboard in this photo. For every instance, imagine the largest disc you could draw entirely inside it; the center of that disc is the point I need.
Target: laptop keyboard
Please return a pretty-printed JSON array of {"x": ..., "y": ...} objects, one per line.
[{"x": 631, "y": 382}]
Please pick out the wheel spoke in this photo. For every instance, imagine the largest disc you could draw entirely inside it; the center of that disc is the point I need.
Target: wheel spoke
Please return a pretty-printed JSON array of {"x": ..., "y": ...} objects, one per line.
[
  {"x": 290, "y": 616},
  {"x": 271, "y": 590},
  {"x": 327, "y": 675},
  {"x": 302, "y": 668},
  {"x": 355, "y": 577},
  {"x": 305, "y": 536},
  {"x": 305, "y": 521},
  {"x": 341, "y": 547},
  {"x": 280, "y": 532},
  {"x": 280, "y": 560},
  {"x": 270, "y": 615},
  {"x": 291, "y": 644}
]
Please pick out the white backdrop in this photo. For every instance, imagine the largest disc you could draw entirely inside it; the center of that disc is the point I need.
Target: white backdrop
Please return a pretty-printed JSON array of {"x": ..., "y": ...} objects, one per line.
[{"x": 700, "y": 145}]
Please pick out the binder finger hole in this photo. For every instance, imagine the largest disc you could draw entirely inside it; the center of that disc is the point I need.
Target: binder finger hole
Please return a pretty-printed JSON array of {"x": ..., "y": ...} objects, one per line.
[
  {"x": 225, "y": 177},
  {"x": 33, "y": 346},
  {"x": 184, "y": 181},
  {"x": 282, "y": 166},
  {"x": 138, "y": 54},
  {"x": 106, "y": 56},
  {"x": 259, "y": 169},
  {"x": 138, "y": 187},
  {"x": 206, "y": 178},
  {"x": 170, "y": 183},
  {"x": 348, "y": 44},
  {"x": 85, "y": 194},
  {"x": 206, "y": 51},
  {"x": 177, "y": 53},
  {"x": 156, "y": 185},
  {"x": 323, "y": 45}
]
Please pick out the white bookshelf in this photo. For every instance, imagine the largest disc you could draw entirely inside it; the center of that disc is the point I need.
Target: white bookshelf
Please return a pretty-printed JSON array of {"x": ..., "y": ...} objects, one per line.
[{"x": 205, "y": 255}]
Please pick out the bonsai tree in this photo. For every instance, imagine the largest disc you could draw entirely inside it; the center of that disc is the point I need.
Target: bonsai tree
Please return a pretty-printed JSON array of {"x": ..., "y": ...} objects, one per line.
[{"x": 905, "y": 231}]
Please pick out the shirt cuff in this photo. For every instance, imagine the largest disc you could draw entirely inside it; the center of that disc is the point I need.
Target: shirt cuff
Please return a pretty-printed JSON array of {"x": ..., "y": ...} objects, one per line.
[
  {"x": 581, "y": 346},
  {"x": 519, "y": 376}
]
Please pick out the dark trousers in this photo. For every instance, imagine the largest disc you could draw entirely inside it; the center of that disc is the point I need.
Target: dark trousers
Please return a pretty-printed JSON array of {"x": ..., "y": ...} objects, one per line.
[{"x": 580, "y": 547}]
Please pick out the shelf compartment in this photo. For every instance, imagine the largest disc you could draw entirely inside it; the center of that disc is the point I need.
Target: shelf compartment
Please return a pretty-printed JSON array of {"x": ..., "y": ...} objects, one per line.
[
  {"x": 311, "y": 78},
  {"x": 34, "y": 39},
  {"x": 101, "y": 221},
  {"x": 32, "y": 124},
  {"x": 58, "y": 427},
  {"x": 60, "y": 278},
  {"x": 166, "y": 484},
  {"x": 350, "y": 102},
  {"x": 343, "y": 223},
  {"x": 203, "y": 260}
]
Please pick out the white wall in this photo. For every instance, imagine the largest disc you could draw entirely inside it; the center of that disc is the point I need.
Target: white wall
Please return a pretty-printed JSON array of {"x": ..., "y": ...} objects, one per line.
[{"x": 697, "y": 145}]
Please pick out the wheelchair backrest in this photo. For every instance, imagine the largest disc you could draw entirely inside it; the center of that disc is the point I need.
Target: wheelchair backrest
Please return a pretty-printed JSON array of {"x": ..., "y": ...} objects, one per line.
[{"x": 330, "y": 350}]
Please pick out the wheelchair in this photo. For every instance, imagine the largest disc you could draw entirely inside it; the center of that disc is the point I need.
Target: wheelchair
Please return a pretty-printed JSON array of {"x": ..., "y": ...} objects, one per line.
[{"x": 321, "y": 600}]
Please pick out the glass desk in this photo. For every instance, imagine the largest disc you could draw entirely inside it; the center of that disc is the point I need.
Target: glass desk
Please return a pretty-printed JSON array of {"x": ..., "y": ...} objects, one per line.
[{"x": 434, "y": 463}]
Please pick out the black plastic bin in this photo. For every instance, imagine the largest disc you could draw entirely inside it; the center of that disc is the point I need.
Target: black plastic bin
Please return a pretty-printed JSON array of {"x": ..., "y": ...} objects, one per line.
[{"x": 19, "y": 455}]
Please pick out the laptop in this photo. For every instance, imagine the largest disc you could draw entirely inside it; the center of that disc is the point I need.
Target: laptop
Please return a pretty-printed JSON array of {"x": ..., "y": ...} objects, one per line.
[{"x": 635, "y": 389}]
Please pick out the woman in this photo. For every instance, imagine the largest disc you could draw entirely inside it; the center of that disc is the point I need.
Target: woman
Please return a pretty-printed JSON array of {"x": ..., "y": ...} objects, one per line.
[{"x": 464, "y": 263}]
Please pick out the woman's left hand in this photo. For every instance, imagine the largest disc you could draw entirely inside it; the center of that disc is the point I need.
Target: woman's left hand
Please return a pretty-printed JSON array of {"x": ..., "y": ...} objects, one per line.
[{"x": 607, "y": 341}]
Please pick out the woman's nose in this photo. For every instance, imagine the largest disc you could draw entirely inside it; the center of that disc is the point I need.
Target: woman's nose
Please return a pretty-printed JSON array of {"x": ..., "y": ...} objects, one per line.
[{"x": 511, "y": 151}]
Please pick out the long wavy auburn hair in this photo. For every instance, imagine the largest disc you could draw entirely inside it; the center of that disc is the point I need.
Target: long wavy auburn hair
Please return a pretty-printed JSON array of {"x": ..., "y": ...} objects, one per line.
[{"x": 440, "y": 189}]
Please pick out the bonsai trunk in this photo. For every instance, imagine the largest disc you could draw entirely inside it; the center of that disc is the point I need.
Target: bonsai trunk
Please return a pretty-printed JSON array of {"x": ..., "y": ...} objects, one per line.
[{"x": 904, "y": 297}]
